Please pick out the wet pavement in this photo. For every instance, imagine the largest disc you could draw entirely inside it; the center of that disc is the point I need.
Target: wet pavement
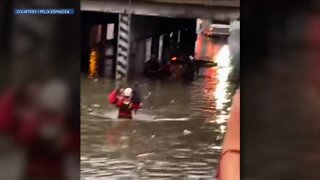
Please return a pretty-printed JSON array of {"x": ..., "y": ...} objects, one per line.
[{"x": 177, "y": 134}]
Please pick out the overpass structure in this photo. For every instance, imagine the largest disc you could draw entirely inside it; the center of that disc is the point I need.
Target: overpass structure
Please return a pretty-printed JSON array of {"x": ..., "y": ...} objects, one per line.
[
  {"x": 138, "y": 37},
  {"x": 217, "y": 10}
]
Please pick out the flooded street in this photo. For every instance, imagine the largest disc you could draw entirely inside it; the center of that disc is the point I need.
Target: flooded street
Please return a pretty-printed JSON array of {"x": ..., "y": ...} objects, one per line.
[{"x": 176, "y": 135}]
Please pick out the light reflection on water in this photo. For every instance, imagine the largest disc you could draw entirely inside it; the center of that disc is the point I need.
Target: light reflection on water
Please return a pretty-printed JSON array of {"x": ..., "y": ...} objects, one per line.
[
  {"x": 221, "y": 92},
  {"x": 177, "y": 134}
]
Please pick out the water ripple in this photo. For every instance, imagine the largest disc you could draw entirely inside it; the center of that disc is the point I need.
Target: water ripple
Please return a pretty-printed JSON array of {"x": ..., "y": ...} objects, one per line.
[{"x": 177, "y": 134}]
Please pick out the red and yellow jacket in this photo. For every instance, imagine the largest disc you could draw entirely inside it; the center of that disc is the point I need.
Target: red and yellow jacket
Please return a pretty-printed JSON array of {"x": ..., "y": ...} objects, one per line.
[{"x": 125, "y": 105}]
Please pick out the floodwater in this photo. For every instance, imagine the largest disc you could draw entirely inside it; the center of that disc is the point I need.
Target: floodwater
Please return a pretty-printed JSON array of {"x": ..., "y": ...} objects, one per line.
[{"x": 176, "y": 135}]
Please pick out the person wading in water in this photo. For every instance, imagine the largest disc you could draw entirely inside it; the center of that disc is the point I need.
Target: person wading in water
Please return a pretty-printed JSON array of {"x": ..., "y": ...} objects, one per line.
[{"x": 123, "y": 99}]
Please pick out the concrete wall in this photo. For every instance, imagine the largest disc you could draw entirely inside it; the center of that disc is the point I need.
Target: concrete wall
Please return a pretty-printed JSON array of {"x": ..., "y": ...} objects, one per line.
[
  {"x": 88, "y": 21},
  {"x": 220, "y": 11},
  {"x": 143, "y": 27},
  {"x": 146, "y": 26},
  {"x": 228, "y": 3}
]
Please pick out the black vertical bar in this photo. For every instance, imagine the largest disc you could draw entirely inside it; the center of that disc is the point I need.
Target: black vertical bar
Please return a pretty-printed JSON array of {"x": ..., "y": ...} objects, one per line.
[{"x": 6, "y": 13}]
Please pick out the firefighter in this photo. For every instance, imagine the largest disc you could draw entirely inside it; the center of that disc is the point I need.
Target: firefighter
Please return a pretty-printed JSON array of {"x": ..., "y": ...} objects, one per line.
[{"x": 124, "y": 102}]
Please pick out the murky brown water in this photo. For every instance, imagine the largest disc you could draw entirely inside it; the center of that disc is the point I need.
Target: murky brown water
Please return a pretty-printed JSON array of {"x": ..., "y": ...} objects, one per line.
[{"x": 177, "y": 134}]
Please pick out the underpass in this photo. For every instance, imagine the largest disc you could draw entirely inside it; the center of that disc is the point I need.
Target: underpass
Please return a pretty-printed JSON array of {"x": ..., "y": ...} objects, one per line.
[
  {"x": 125, "y": 34},
  {"x": 178, "y": 132}
]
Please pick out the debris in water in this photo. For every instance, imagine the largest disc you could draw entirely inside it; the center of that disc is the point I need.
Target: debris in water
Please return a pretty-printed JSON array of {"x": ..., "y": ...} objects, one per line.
[
  {"x": 172, "y": 101},
  {"x": 145, "y": 155},
  {"x": 186, "y": 132},
  {"x": 149, "y": 94},
  {"x": 96, "y": 105},
  {"x": 82, "y": 158},
  {"x": 124, "y": 146},
  {"x": 153, "y": 136},
  {"x": 123, "y": 138},
  {"x": 96, "y": 80}
]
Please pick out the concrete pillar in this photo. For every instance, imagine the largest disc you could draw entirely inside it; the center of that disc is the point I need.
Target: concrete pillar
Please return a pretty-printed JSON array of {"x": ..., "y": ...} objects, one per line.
[
  {"x": 138, "y": 50},
  {"x": 123, "y": 48},
  {"x": 98, "y": 35},
  {"x": 110, "y": 31},
  {"x": 155, "y": 46},
  {"x": 148, "y": 49},
  {"x": 108, "y": 61},
  {"x": 109, "y": 54},
  {"x": 160, "y": 48},
  {"x": 101, "y": 60}
]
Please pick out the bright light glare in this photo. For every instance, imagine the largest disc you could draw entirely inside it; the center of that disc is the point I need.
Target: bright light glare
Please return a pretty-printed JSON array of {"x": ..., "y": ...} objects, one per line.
[
  {"x": 223, "y": 57},
  {"x": 221, "y": 89},
  {"x": 221, "y": 119},
  {"x": 223, "y": 128},
  {"x": 221, "y": 92}
]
